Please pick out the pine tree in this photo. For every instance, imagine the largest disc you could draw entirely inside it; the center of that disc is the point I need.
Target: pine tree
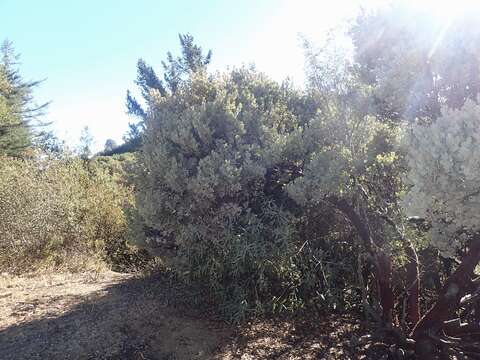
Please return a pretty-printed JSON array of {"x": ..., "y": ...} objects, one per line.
[
  {"x": 175, "y": 70},
  {"x": 110, "y": 144},
  {"x": 192, "y": 60},
  {"x": 19, "y": 115},
  {"x": 86, "y": 142}
]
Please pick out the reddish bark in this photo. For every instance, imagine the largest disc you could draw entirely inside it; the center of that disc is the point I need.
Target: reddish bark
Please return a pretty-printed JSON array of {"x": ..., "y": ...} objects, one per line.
[
  {"x": 383, "y": 273},
  {"x": 413, "y": 287},
  {"x": 361, "y": 228},
  {"x": 449, "y": 298},
  {"x": 413, "y": 278},
  {"x": 383, "y": 265}
]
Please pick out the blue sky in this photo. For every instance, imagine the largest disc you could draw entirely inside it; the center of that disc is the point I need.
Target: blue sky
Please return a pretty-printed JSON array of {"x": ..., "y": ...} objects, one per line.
[{"x": 87, "y": 50}]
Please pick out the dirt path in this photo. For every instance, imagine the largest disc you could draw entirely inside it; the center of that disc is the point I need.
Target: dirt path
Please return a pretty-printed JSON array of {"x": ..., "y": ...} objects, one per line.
[{"x": 118, "y": 316}]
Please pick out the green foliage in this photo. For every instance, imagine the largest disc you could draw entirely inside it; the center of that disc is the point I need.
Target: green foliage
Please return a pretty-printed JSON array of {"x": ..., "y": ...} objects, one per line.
[
  {"x": 18, "y": 113},
  {"x": 14, "y": 135},
  {"x": 235, "y": 176},
  {"x": 444, "y": 163},
  {"x": 347, "y": 153},
  {"x": 53, "y": 211},
  {"x": 110, "y": 144},
  {"x": 175, "y": 71},
  {"x": 212, "y": 167},
  {"x": 86, "y": 142}
]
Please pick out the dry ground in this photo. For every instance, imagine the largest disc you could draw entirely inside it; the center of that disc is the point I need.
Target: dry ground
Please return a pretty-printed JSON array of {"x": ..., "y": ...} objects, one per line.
[{"x": 121, "y": 316}]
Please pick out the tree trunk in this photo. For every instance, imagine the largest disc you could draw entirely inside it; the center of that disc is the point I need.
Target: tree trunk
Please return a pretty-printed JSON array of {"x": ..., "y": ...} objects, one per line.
[
  {"x": 383, "y": 265},
  {"x": 413, "y": 278},
  {"x": 449, "y": 298},
  {"x": 413, "y": 287},
  {"x": 383, "y": 274}
]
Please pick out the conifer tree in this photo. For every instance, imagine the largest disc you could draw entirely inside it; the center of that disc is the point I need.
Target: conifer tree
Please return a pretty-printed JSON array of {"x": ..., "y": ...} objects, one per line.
[
  {"x": 86, "y": 142},
  {"x": 175, "y": 71},
  {"x": 19, "y": 115}
]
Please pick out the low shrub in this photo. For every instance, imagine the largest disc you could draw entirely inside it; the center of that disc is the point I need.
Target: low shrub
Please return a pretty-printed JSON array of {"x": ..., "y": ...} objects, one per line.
[{"x": 53, "y": 211}]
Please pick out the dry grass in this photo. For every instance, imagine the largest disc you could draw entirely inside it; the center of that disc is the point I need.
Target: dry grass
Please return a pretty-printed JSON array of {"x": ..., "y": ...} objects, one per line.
[
  {"x": 60, "y": 262},
  {"x": 107, "y": 315},
  {"x": 38, "y": 296},
  {"x": 101, "y": 315}
]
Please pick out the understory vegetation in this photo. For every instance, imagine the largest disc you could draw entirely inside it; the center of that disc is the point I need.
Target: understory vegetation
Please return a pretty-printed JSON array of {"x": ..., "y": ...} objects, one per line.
[
  {"x": 358, "y": 192},
  {"x": 65, "y": 212}
]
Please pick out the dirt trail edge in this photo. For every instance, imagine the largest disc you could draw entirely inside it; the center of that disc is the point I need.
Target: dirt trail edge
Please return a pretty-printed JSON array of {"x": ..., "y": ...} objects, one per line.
[{"x": 120, "y": 316}]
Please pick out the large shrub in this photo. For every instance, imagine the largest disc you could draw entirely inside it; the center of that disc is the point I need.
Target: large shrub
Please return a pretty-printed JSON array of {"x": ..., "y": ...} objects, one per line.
[
  {"x": 443, "y": 159},
  {"x": 215, "y": 158},
  {"x": 236, "y": 176}
]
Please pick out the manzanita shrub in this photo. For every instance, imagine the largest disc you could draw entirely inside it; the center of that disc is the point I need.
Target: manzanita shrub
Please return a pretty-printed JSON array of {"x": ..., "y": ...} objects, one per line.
[{"x": 444, "y": 175}]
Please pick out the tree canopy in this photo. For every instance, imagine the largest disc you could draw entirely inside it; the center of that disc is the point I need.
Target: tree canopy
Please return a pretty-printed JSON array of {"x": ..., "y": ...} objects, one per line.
[{"x": 19, "y": 115}]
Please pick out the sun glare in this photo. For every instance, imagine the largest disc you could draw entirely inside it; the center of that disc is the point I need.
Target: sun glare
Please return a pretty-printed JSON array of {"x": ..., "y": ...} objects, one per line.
[
  {"x": 447, "y": 9},
  {"x": 445, "y": 13}
]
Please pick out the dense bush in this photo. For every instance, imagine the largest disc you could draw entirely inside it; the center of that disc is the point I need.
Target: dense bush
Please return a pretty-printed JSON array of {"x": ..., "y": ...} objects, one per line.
[
  {"x": 217, "y": 160},
  {"x": 55, "y": 211},
  {"x": 443, "y": 176},
  {"x": 207, "y": 153}
]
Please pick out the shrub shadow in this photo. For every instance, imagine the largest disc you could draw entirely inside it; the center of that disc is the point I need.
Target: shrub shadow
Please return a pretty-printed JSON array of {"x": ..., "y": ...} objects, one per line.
[{"x": 138, "y": 318}]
